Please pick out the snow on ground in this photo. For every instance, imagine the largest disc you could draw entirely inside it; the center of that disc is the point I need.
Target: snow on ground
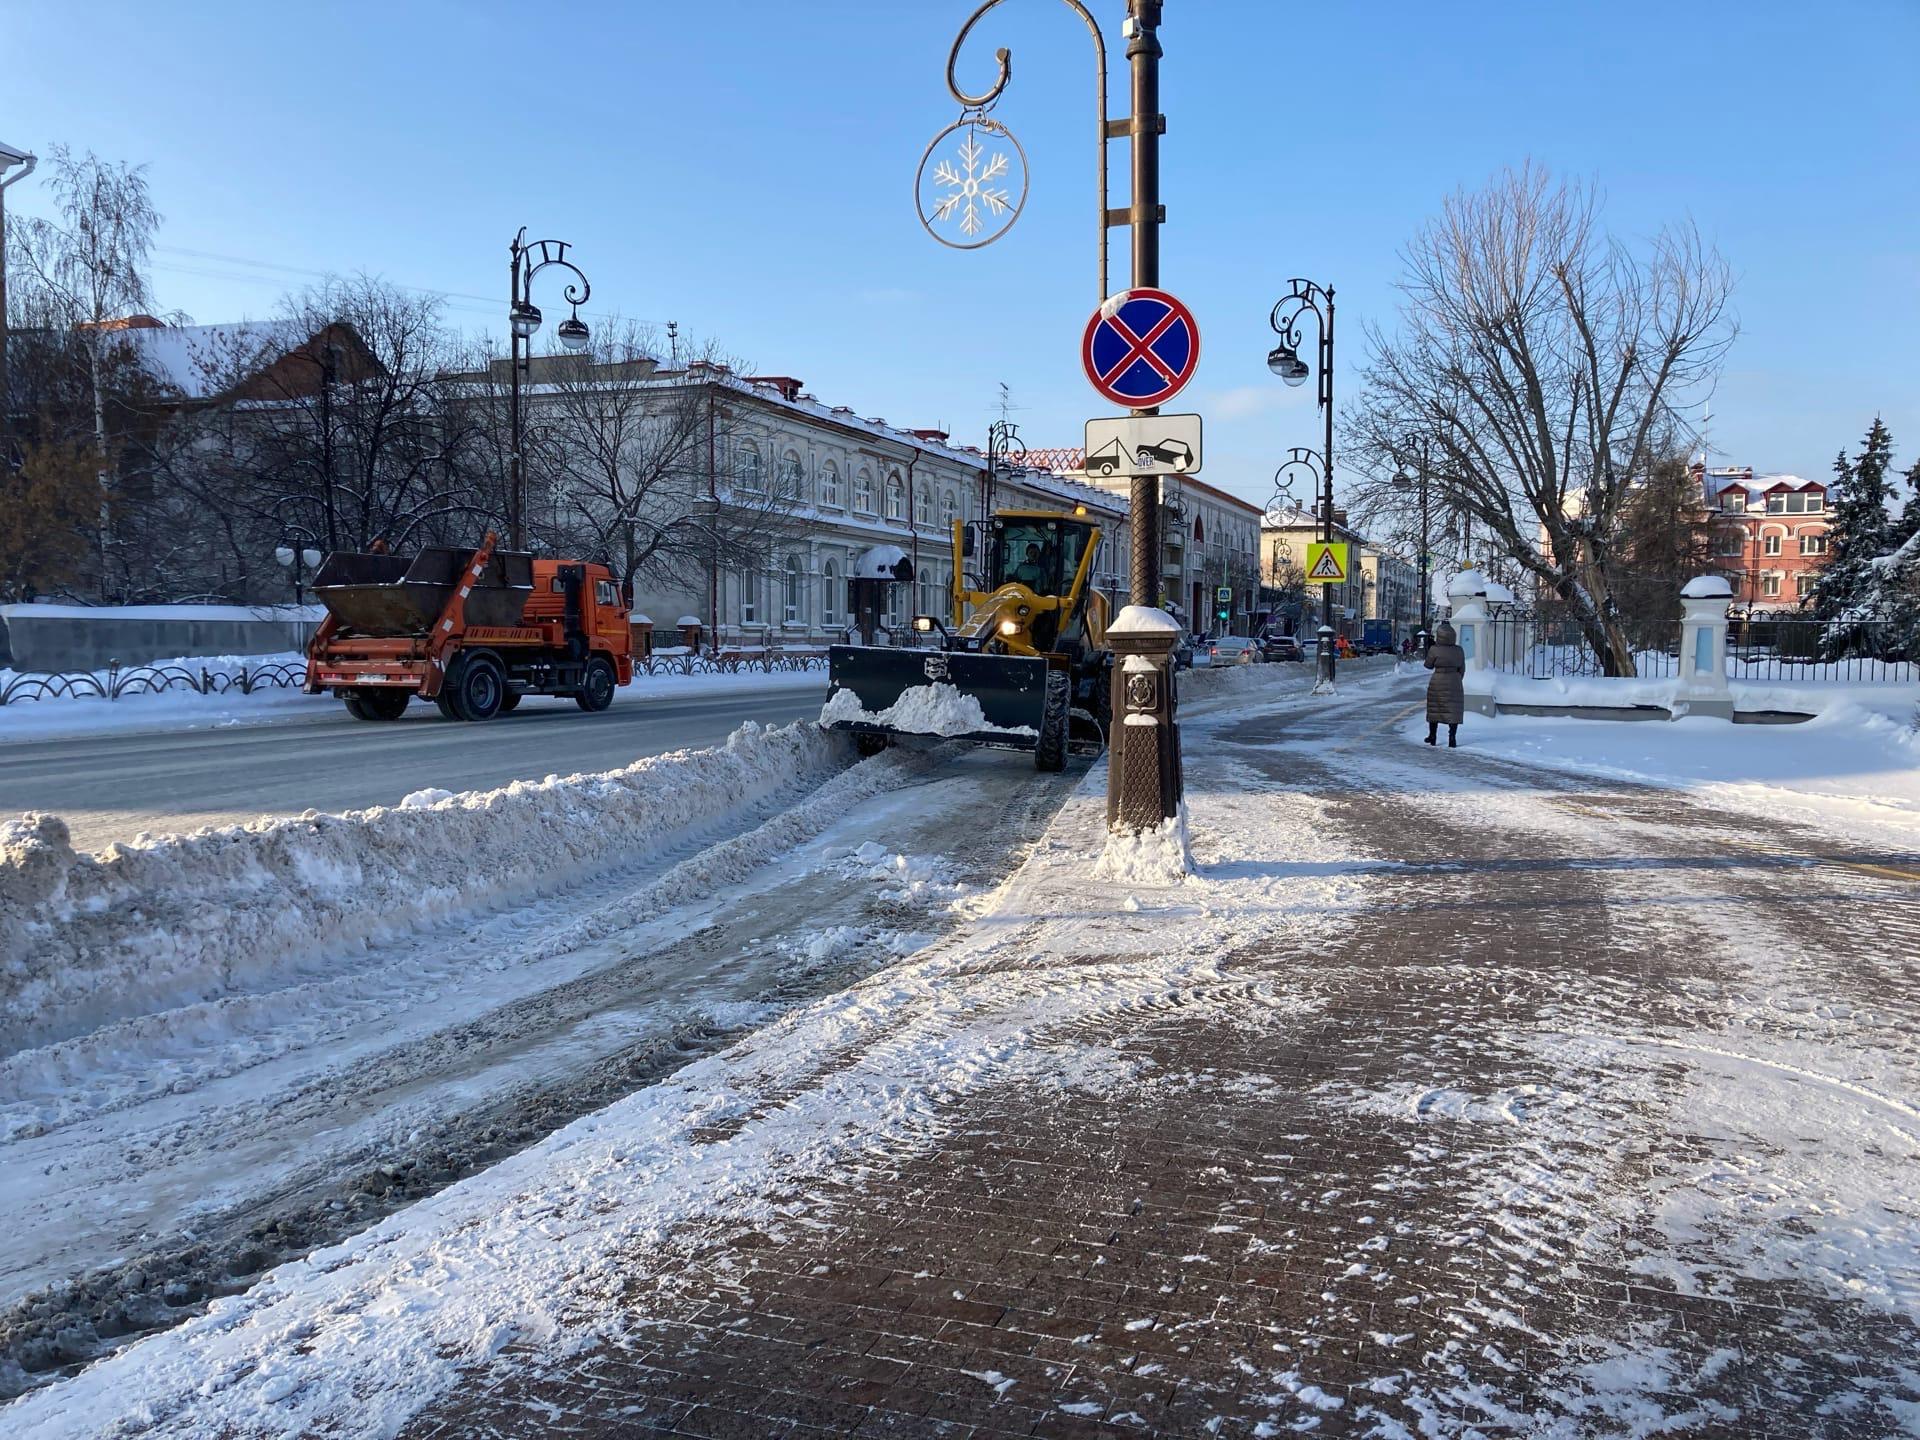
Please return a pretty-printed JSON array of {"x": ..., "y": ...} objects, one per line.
[
  {"x": 182, "y": 709},
  {"x": 86, "y": 940},
  {"x": 936, "y": 709},
  {"x": 366, "y": 1333},
  {"x": 1857, "y": 763}
]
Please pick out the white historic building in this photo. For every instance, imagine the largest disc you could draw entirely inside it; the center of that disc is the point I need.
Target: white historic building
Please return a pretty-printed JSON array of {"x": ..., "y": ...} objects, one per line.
[{"x": 845, "y": 504}]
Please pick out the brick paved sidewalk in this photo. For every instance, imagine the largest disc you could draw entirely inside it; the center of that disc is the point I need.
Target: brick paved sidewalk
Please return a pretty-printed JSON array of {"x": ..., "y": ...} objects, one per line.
[{"x": 1379, "y": 1176}]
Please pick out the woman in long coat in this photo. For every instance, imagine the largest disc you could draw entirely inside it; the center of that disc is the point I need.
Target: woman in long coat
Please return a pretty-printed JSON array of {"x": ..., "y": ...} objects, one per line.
[{"x": 1446, "y": 688}]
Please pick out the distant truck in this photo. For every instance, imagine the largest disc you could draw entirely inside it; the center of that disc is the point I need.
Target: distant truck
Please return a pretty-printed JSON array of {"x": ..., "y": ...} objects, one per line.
[
  {"x": 1376, "y": 637},
  {"x": 470, "y": 630}
]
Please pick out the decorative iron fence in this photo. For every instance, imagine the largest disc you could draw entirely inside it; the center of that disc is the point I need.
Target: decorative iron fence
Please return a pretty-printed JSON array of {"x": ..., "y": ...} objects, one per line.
[
  {"x": 116, "y": 682},
  {"x": 1795, "y": 646},
  {"x": 1524, "y": 642}
]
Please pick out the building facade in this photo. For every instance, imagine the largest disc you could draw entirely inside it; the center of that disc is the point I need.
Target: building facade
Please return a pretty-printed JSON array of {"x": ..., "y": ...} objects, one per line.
[
  {"x": 1380, "y": 585},
  {"x": 853, "y": 517},
  {"x": 1772, "y": 534}
]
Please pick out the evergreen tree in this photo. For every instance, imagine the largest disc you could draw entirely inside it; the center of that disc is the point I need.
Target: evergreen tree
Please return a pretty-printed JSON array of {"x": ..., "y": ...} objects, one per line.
[
  {"x": 1908, "y": 525},
  {"x": 1861, "y": 530}
]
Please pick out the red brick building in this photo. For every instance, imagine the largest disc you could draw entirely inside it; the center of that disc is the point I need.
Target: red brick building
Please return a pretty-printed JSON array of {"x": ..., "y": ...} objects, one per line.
[{"x": 1773, "y": 533}]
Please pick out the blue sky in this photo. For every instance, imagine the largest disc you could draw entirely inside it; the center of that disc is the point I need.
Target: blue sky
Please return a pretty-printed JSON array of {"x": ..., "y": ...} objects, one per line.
[{"x": 750, "y": 176}]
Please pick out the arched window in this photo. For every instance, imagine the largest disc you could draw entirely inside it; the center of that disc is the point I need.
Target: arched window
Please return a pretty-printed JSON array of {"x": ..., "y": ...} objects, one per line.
[
  {"x": 863, "y": 491},
  {"x": 922, "y": 506},
  {"x": 794, "y": 582},
  {"x": 793, "y": 476},
  {"x": 830, "y": 484},
  {"x": 896, "y": 497},
  {"x": 949, "y": 510},
  {"x": 746, "y": 466},
  {"x": 1199, "y": 532},
  {"x": 829, "y": 595}
]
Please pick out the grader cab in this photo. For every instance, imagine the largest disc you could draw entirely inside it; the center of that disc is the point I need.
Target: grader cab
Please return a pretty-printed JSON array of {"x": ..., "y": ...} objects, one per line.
[{"x": 1021, "y": 661}]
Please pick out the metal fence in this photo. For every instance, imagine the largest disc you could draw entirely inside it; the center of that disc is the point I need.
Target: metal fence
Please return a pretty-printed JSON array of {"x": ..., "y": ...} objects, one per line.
[
  {"x": 116, "y": 682},
  {"x": 1549, "y": 647},
  {"x": 1796, "y": 646}
]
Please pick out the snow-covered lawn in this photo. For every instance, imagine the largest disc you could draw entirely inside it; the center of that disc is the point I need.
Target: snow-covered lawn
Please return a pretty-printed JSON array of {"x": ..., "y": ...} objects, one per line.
[
  {"x": 183, "y": 709},
  {"x": 1856, "y": 764}
]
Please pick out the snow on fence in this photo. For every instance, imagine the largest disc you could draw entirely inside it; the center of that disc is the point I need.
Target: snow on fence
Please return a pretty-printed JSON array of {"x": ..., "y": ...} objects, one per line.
[{"x": 86, "y": 940}]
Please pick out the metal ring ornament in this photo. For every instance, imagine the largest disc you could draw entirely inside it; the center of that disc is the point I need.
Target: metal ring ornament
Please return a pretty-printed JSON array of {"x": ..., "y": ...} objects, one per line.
[{"x": 969, "y": 192}]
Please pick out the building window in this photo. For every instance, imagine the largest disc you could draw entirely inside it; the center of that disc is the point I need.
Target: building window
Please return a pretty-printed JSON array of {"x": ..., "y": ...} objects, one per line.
[
  {"x": 922, "y": 506},
  {"x": 863, "y": 491},
  {"x": 1734, "y": 500},
  {"x": 829, "y": 595},
  {"x": 1816, "y": 504},
  {"x": 1770, "y": 585},
  {"x": 1732, "y": 542},
  {"x": 949, "y": 510},
  {"x": 1770, "y": 544},
  {"x": 830, "y": 484},
  {"x": 1804, "y": 582},
  {"x": 793, "y": 582},
  {"x": 792, "y": 476},
  {"x": 1813, "y": 544},
  {"x": 896, "y": 497},
  {"x": 746, "y": 466},
  {"x": 749, "y": 598}
]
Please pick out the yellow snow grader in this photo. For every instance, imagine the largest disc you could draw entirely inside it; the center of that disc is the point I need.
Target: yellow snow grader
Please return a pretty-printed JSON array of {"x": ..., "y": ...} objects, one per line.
[{"x": 1021, "y": 663}]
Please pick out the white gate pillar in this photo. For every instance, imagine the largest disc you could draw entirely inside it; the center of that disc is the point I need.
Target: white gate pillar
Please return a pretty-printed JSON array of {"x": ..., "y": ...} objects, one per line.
[
  {"x": 1473, "y": 628},
  {"x": 1702, "y": 688}
]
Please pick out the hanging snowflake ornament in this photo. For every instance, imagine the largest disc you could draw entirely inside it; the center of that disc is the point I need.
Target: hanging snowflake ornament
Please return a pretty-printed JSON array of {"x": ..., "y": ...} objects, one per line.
[{"x": 972, "y": 183}]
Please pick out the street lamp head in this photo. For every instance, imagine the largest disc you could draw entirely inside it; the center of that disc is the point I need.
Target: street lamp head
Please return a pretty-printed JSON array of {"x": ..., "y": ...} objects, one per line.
[
  {"x": 1284, "y": 362},
  {"x": 284, "y": 554},
  {"x": 525, "y": 319},
  {"x": 572, "y": 333},
  {"x": 1402, "y": 480},
  {"x": 312, "y": 557}
]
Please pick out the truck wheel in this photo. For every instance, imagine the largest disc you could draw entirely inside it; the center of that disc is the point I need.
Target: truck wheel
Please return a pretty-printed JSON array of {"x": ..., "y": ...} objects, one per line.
[
  {"x": 478, "y": 689},
  {"x": 1050, "y": 755},
  {"x": 509, "y": 702},
  {"x": 368, "y": 703},
  {"x": 597, "y": 685}
]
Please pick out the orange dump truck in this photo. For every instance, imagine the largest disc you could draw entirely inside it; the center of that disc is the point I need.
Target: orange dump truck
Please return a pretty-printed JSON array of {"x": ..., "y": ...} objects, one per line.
[{"x": 470, "y": 630}]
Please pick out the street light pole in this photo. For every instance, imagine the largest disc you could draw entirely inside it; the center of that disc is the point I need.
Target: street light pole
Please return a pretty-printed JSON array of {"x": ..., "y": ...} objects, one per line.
[
  {"x": 1403, "y": 481},
  {"x": 523, "y": 319},
  {"x": 1284, "y": 360},
  {"x": 10, "y": 159}
]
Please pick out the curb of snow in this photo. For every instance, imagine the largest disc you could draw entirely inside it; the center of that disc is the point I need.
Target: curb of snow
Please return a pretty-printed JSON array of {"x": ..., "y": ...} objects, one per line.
[{"x": 86, "y": 940}]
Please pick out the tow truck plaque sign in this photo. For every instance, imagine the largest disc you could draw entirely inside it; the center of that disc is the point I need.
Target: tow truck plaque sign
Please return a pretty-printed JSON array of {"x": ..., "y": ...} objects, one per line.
[{"x": 1143, "y": 445}]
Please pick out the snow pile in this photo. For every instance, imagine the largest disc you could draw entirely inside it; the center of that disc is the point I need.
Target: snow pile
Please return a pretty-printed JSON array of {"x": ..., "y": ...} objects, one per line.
[
  {"x": 86, "y": 940},
  {"x": 1160, "y": 856},
  {"x": 936, "y": 709}
]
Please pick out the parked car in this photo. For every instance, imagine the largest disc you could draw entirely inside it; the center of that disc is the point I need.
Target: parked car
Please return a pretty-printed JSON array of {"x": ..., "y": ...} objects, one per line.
[
  {"x": 1281, "y": 647},
  {"x": 1233, "y": 650}
]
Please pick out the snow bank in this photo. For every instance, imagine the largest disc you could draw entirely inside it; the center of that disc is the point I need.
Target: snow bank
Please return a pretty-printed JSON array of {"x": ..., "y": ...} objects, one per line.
[
  {"x": 1148, "y": 857},
  {"x": 937, "y": 709},
  {"x": 86, "y": 940}
]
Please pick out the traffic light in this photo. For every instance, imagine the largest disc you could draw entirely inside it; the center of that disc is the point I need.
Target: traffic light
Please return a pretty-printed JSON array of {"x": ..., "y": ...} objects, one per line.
[{"x": 1222, "y": 613}]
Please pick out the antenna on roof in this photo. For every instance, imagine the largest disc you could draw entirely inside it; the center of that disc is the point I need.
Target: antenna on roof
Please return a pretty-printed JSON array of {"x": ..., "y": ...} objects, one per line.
[{"x": 673, "y": 344}]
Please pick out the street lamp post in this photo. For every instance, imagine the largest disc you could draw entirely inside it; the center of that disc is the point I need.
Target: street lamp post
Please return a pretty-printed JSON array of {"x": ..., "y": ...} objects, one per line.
[
  {"x": 292, "y": 555},
  {"x": 1144, "y": 781},
  {"x": 523, "y": 319},
  {"x": 1003, "y": 442},
  {"x": 1403, "y": 482},
  {"x": 1284, "y": 360},
  {"x": 10, "y": 160}
]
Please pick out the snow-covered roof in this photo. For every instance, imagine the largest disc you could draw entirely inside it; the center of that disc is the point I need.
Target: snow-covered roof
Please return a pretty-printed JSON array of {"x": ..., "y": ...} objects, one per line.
[
  {"x": 201, "y": 360},
  {"x": 1717, "y": 482}
]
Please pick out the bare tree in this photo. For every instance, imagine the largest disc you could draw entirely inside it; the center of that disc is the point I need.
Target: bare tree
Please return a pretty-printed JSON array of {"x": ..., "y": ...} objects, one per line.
[
  {"x": 635, "y": 466},
  {"x": 1545, "y": 360}
]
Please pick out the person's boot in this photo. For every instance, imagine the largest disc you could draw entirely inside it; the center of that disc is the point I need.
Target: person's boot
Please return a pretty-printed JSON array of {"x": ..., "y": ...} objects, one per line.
[
  {"x": 1453, "y": 737},
  {"x": 1433, "y": 733}
]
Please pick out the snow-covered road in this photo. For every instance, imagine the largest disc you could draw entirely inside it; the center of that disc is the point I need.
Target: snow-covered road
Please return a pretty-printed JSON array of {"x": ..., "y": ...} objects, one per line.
[
  {"x": 278, "y": 753},
  {"x": 175, "y": 1153}
]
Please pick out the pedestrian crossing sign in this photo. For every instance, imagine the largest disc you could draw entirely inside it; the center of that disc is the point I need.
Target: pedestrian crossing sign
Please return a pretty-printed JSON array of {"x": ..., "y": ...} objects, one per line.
[{"x": 1327, "y": 562}]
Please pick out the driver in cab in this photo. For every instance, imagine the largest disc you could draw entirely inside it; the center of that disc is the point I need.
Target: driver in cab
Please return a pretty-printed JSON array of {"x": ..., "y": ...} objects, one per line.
[{"x": 1032, "y": 571}]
